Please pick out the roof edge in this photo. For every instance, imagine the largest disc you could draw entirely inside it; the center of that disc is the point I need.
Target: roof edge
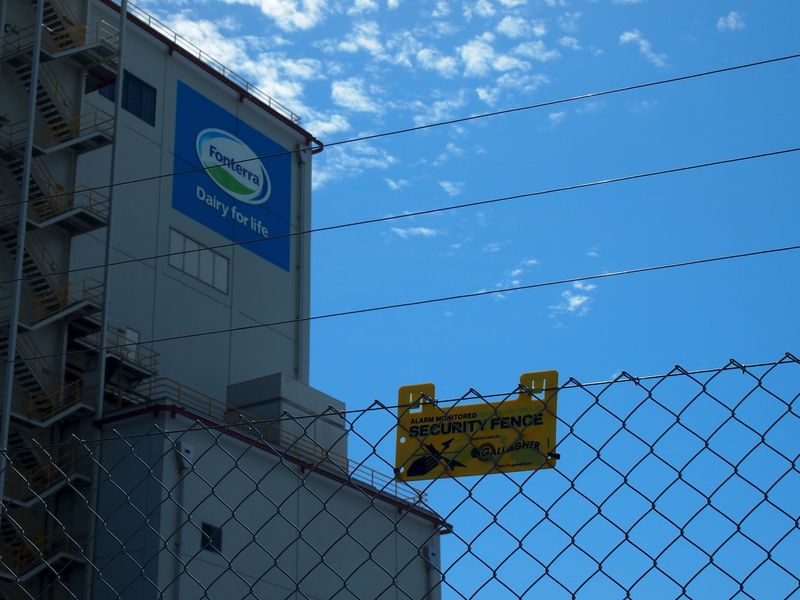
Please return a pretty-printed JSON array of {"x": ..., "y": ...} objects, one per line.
[{"x": 174, "y": 409}]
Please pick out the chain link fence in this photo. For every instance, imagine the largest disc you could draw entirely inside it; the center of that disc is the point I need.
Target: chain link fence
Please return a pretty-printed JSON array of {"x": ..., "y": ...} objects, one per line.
[{"x": 683, "y": 485}]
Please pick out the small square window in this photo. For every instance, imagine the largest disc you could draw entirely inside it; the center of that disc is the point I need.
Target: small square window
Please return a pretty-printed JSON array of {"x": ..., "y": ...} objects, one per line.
[{"x": 211, "y": 538}]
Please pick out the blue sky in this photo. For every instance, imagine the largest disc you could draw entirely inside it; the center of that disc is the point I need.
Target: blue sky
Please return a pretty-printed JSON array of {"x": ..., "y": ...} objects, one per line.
[{"x": 356, "y": 68}]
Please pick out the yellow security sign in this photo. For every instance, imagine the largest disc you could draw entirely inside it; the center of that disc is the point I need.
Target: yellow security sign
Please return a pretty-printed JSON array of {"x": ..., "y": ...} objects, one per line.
[{"x": 517, "y": 434}]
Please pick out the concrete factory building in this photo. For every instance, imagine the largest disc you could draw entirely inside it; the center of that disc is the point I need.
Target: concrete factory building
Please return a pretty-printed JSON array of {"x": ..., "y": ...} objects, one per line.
[{"x": 235, "y": 499}]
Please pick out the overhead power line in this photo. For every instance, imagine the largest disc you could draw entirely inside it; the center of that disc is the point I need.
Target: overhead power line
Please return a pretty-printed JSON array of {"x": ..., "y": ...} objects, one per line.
[
  {"x": 439, "y": 299},
  {"x": 430, "y": 211},
  {"x": 455, "y": 121}
]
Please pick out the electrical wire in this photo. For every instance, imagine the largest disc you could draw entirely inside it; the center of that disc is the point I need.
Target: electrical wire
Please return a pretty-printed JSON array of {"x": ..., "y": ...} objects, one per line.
[
  {"x": 455, "y": 121},
  {"x": 430, "y": 211},
  {"x": 426, "y": 301}
]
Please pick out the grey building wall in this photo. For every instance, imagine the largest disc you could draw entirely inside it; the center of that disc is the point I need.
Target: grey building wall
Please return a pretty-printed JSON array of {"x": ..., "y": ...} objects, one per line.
[
  {"x": 287, "y": 531},
  {"x": 157, "y": 299}
]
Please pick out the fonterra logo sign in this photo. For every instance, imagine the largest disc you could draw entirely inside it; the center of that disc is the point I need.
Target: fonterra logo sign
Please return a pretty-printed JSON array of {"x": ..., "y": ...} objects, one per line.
[
  {"x": 245, "y": 203},
  {"x": 233, "y": 166}
]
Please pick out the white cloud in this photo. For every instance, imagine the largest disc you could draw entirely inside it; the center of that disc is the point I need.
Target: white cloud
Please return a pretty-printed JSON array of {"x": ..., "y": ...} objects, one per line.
[
  {"x": 451, "y": 188},
  {"x": 322, "y": 124},
  {"x": 569, "y": 21},
  {"x": 351, "y": 93},
  {"x": 489, "y": 95},
  {"x": 431, "y": 59},
  {"x": 365, "y": 36},
  {"x": 574, "y": 303},
  {"x": 536, "y": 50},
  {"x": 512, "y": 3},
  {"x": 569, "y": 42},
  {"x": 442, "y": 9},
  {"x": 645, "y": 47},
  {"x": 556, "y": 118},
  {"x": 272, "y": 72},
  {"x": 480, "y": 58},
  {"x": 733, "y": 21},
  {"x": 439, "y": 110},
  {"x": 513, "y": 27},
  {"x": 477, "y": 55},
  {"x": 493, "y": 247},
  {"x": 344, "y": 162},
  {"x": 290, "y": 15},
  {"x": 362, "y": 6},
  {"x": 396, "y": 184},
  {"x": 538, "y": 28},
  {"x": 515, "y": 81},
  {"x": 392, "y": 4},
  {"x": 450, "y": 150},
  {"x": 592, "y": 252},
  {"x": 482, "y": 8},
  {"x": 407, "y": 232}
]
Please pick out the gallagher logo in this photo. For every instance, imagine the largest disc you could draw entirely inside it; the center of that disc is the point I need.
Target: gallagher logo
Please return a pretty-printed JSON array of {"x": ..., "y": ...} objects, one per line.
[{"x": 233, "y": 166}]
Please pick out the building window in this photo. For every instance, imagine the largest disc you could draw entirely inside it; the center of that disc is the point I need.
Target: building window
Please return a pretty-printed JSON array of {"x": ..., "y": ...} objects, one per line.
[
  {"x": 199, "y": 262},
  {"x": 211, "y": 538},
  {"x": 138, "y": 97}
]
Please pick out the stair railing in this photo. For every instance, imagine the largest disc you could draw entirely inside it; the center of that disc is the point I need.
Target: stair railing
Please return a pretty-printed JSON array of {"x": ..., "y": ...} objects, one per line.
[
  {"x": 46, "y": 264},
  {"x": 46, "y": 404},
  {"x": 57, "y": 95},
  {"x": 34, "y": 360}
]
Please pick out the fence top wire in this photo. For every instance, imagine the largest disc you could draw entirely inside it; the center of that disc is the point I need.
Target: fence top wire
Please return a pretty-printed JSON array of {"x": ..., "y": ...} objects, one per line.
[{"x": 377, "y": 406}]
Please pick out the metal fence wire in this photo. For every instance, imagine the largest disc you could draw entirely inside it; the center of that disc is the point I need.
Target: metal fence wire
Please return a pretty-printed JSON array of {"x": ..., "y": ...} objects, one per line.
[{"x": 682, "y": 485}]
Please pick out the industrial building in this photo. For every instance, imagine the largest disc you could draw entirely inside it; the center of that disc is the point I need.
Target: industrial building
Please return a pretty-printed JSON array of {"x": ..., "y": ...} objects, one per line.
[{"x": 228, "y": 508}]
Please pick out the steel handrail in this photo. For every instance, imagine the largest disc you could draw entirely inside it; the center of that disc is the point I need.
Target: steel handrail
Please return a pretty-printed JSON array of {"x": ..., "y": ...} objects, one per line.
[
  {"x": 124, "y": 348},
  {"x": 48, "y": 403},
  {"x": 32, "y": 482},
  {"x": 12, "y": 135}
]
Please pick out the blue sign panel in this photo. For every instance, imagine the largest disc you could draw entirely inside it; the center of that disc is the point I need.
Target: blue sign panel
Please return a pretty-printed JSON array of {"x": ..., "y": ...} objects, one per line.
[{"x": 240, "y": 180}]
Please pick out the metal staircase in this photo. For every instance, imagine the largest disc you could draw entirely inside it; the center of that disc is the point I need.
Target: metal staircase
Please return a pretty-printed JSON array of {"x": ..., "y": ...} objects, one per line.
[
  {"x": 51, "y": 101},
  {"x": 58, "y": 314},
  {"x": 30, "y": 370},
  {"x": 77, "y": 210},
  {"x": 46, "y": 289}
]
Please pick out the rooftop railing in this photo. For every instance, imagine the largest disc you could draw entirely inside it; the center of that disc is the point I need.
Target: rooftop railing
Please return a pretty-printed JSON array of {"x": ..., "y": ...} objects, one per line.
[
  {"x": 210, "y": 61},
  {"x": 300, "y": 446}
]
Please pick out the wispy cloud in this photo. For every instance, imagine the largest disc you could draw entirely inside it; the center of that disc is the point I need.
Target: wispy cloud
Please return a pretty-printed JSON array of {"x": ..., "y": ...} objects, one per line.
[
  {"x": 290, "y": 15},
  {"x": 353, "y": 94},
  {"x": 438, "y": 110},
  {"x": 556, "y": 118},
  {"x": 592, "y": 252},
  {"x": 536, "y": 50},
  {"x": 410, "y": 232},
  {"x": 731, "y": 22},
  {"x": 431, "y": 59},
  {"x": 575, "y": 302},
  {"x": 569, "y": 21},
  {"x": 327, "y": 124},
  {"x": 513, "y": 27},
  {"x": 570, "y": 42},
  {"x": 396, "y": 184},
  {"x": 645, "y": 47},
  {"x": 344, "y": 162},
  {"x": 451, "y": 188}
]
